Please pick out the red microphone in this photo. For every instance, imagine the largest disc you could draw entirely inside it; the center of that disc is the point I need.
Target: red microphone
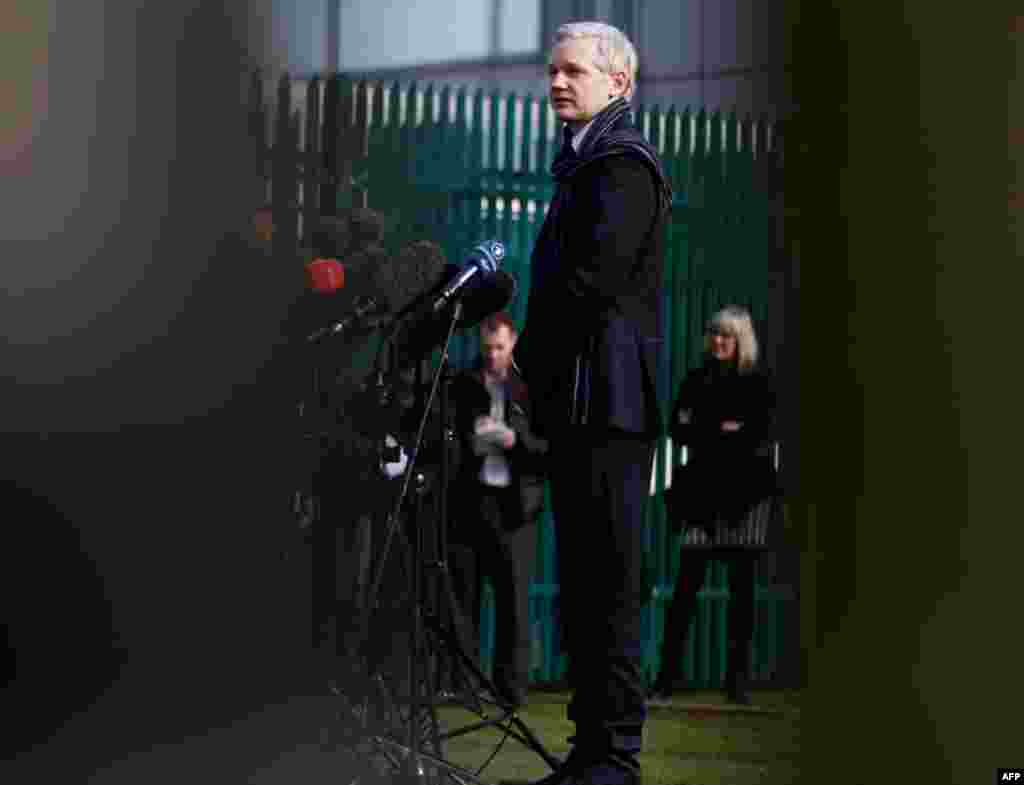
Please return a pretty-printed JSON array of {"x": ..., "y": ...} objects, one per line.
[{"x": 325, "y": 276}]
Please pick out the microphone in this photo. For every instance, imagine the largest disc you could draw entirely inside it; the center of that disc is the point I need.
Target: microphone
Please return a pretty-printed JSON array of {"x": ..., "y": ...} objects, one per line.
[
  {"x": 365, "y": 307},
  {"x": 325, "y": 276},
  {"x": 413, "y": 277},
  {"x": 483, "y": 259},
  {"x": 359, "y": 274}
]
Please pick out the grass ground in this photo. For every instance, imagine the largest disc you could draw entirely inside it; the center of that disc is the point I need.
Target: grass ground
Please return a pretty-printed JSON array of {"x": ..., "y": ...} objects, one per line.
[{"x": 696, "y": 740}]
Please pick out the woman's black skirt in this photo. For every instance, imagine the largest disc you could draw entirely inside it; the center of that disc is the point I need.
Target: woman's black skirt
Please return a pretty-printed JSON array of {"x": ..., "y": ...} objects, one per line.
[{"x": 725, "y": 510}]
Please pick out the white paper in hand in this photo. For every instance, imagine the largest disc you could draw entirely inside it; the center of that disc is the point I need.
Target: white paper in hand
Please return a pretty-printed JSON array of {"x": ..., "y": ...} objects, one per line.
[
  {"x": 395, "y": 468},
  {"x": 492, "y": 432}
]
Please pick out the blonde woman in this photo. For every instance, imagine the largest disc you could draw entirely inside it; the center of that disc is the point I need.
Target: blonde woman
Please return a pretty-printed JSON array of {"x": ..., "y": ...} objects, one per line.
[{"x": 723, "y": 415}]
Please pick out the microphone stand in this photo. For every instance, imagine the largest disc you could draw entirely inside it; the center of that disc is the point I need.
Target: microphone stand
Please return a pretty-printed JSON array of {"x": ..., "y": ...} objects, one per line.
[
  {"x": 413, "y": 769},
  {"x": 410, "y": 759}
]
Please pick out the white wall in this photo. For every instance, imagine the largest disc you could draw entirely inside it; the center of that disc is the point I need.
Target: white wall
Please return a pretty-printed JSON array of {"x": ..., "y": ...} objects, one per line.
[
  {"x": 520, "y": 25},
  {"x": 386, "y": 35},
  {"x": 299, "y": 35},
  {"x": 726, "y": 54}
]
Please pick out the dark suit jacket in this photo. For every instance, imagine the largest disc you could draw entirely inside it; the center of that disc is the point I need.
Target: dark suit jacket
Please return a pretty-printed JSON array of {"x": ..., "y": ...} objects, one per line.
[
  {"x": 526, "y": 459},
  {"x": 594, "y": 325}
]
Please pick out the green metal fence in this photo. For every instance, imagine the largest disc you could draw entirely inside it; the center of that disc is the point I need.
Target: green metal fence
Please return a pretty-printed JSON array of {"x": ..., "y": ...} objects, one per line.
[{"x": 457, "y": 167}]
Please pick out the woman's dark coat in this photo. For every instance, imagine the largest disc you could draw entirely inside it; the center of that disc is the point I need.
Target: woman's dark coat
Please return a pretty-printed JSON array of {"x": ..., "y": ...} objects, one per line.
[{"x": 726, "y": 473}]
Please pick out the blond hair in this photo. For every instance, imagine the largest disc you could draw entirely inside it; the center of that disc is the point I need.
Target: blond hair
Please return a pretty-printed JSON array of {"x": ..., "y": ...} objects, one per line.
[
  {"x": 735, "y": 320},
  {"x": 614, "y": 51}
]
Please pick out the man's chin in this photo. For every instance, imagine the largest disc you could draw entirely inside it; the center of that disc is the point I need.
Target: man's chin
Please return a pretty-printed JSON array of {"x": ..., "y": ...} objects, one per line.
[{"x": 567, "y": 113}]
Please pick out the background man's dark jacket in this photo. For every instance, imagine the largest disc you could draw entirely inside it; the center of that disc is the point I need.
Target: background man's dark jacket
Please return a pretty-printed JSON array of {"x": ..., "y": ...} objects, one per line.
[
  {"x": 526, "y": 458},
  {"x": 594, "y": 327}
]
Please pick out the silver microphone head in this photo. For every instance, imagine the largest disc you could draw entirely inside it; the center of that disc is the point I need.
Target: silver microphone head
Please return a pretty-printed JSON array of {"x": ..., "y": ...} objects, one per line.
[{"x": 489, "y": 255}]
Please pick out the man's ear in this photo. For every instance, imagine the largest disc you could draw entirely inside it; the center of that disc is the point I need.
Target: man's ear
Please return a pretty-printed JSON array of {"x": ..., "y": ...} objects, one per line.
[{"x": 620, "y": 82}]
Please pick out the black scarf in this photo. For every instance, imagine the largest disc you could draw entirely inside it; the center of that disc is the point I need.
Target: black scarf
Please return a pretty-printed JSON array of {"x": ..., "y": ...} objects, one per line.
[{"x": 612, "y": 132}]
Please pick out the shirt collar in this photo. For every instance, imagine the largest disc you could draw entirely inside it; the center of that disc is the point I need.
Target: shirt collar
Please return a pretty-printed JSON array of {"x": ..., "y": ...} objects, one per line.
[{"x": 577, "y": 138}]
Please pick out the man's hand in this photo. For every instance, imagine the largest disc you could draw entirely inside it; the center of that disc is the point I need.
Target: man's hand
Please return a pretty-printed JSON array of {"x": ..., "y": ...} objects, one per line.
[
  {"x": 731, "y": 426},
  {"x": 483, "y": 422},
  {"x": 487, "y": 429}
]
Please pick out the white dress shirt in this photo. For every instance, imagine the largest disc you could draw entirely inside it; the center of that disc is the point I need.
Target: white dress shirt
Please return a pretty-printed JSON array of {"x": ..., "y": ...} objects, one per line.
[
  {"x": 577, "y": 138},
  {"x": 495, "y": 470}
]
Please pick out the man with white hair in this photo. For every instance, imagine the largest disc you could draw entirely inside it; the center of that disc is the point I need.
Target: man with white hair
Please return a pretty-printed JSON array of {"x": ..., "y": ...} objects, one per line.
[{"x": 589, "y": 351}]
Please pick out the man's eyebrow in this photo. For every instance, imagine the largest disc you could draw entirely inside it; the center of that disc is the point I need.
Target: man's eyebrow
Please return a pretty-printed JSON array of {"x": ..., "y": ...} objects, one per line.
[{"x": 569, "y": 64}]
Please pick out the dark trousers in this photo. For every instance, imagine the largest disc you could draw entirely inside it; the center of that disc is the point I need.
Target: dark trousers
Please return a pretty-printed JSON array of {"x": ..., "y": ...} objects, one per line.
[
  {"x": 740, "y": 618},
  {"x": 599, "y": 486},
  {"x": 491, "y": 541}
]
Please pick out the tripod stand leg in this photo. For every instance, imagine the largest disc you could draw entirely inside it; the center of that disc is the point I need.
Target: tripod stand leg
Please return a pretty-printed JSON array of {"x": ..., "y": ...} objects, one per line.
[{"x": 394, "y": 720}]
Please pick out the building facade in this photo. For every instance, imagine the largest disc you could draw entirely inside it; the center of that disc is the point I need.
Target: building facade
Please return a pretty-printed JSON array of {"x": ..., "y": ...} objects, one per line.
[{"x": 714, "y": 54}]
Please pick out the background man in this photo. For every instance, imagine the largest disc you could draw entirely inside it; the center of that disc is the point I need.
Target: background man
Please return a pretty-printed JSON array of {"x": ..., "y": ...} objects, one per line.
[
  {"x": 499, "y": 493},
  {"x": 589, "y": 352}
]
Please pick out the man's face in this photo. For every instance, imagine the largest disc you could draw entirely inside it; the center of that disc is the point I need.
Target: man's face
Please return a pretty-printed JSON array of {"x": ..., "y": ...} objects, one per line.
[
  {"x": 496, "y": 348},
  {"x": 577, "y": 88}
]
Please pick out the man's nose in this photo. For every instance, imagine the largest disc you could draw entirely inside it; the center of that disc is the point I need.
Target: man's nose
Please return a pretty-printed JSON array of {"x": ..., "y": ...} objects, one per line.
[{"x": 557, "y": 80}]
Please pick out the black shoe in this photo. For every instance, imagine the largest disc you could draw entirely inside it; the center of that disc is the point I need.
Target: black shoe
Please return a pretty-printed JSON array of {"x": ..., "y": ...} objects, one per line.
[
  {"x": 739, "y": 696},
  {"x": 736, "y": 691}
]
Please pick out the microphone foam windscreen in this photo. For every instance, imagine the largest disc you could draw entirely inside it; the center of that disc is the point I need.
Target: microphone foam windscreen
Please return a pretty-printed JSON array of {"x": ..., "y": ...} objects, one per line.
[
  {"x": 325, "y": 276},
  {"x": 418, "y": 266},
  {"x": 331, "y": 237},
  {"x": 366, "y": 228},
  {"x": 363, "y": 268}
]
